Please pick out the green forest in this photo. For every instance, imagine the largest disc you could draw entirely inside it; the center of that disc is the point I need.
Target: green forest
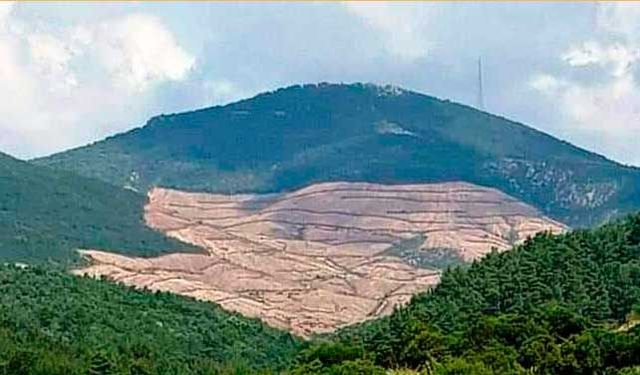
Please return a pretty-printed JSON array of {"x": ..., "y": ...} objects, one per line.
[
  {"x": 52, "y": 322},
  {"x": 565, "y": 304},
  {"x": 45, "y": 215}
]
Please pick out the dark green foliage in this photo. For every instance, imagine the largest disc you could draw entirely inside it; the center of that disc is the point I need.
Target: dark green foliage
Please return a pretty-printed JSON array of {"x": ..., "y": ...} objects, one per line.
[
  {"x": 335, "y": 359},
  {"x": 305, "y": 134},
  {"x": 412, "y": 252},
  {"x": 563, "y": 304},
  {"x": 47, "y": 214},
  {"x": 55, "y": 323}
]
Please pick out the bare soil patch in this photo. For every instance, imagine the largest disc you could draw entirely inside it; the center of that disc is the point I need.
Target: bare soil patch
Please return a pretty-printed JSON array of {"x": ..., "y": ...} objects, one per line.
[{"x": 318, "y": 258}]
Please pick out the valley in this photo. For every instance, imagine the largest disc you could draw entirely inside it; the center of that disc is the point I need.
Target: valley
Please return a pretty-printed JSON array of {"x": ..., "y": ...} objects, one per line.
[{"x": 325, "y": 256}]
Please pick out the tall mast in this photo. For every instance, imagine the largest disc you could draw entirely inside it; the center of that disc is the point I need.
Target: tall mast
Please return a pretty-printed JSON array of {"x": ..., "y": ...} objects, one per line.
[{"x": 480, "y": 92}]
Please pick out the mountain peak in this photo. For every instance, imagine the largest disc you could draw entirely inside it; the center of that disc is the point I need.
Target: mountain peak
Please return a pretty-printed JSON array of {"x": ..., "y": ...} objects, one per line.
[
  {"x": 304, "y": 134},
  {"x": 378, "y": 89}
]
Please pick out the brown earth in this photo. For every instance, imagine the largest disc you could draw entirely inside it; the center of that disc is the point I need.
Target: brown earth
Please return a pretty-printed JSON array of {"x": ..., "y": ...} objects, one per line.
[{"x": 319, "y": 258}]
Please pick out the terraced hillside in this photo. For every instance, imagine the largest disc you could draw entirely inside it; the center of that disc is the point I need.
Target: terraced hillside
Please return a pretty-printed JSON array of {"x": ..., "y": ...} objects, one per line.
[
  {"x": 326, "y": 255},
  {"x": 301, "y": 135}
]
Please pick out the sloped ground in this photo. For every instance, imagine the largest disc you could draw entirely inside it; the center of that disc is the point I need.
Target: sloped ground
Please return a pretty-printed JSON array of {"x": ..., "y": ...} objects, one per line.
[{"x": 318, "y": 258}]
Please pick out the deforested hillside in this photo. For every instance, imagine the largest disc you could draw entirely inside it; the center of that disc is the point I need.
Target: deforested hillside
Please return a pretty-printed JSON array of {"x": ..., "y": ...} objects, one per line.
[
  {"x": 325, "y": 256},
  {"x": 564, "y": 304},
  {"x": 45, "y": 215},
  {"x": 293, "y": 137}
]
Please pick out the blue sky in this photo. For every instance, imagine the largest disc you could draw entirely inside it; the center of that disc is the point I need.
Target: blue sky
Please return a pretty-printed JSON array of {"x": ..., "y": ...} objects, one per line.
[{"x": 74, "y": 73}]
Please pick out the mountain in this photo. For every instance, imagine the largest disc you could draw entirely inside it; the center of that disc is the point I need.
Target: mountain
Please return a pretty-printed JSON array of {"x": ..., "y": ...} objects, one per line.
[
  {"x": 296, "y": 136},
  {"x": 46, "y": 214},
  {"x": 55, "y": 323},
  {"x": 557, "y": 304},
  {"x": 325, "y": 256}
]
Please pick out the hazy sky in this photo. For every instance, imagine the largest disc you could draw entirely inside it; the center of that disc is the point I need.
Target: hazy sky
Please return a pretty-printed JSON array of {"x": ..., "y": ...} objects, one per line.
[{"x": 74, "y": 73}]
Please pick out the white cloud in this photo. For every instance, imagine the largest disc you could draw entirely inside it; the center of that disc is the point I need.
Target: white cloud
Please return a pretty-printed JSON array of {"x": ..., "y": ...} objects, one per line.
[
  {"x": 604, "y": 117},
  {"x": 616, "y": 57},
  {"x": 221, "y": 91},
  {"x": 138, "y": 51},
  {"x": 619, "y": 18},
  {"x": 547, "y": 84},
  {"x": 402, "y": 26},
  {"x": 604, "y": 109},
  {"x": 51, "y": 57},
  {"x": 5, "y": 10},
  {"x": 60, "y": 87}
]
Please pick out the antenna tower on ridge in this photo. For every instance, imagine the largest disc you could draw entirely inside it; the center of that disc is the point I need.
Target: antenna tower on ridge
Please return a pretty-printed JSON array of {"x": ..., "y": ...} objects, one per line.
[{"x": 480, "y": 92}]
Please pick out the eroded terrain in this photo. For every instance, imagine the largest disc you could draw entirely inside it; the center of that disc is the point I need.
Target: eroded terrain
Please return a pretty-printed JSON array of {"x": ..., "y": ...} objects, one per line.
[{"x": 324, "y": 256}]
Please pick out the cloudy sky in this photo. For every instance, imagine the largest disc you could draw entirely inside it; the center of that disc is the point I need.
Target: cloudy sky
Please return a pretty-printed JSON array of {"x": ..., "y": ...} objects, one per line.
[{"x": 72, "y": 74}]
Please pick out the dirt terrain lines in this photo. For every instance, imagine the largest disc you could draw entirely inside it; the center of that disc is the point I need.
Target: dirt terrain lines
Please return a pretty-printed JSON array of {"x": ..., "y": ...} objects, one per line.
[{"x": 314, "y": 259}]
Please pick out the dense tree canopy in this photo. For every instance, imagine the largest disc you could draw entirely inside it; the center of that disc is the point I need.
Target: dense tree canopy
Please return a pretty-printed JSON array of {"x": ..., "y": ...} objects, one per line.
[
  {"x": 563, "y": 304},
  {"x": 45, "y": 215},
  {"x": 55, "y": 323}
]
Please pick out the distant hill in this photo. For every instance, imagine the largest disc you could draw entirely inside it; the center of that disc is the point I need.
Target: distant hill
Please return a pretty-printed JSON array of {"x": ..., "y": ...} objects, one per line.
[
  {"x": 300, "y": 135},
  {"x": 46, "y": 214}
]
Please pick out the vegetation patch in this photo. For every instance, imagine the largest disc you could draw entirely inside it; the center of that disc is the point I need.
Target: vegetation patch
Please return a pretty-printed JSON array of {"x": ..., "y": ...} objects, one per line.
[
  {"x": 55, "y": 323},
  {"x": 412, "y": 252},
  {"x": 45, "y": 215}
]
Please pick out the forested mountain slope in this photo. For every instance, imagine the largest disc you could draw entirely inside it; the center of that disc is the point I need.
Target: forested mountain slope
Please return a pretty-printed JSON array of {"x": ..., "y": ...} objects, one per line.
[
  {"x": 46, "y": 214},
  {"x": 55, "y": 323},
  {"x": 554, "y": 305},
  {"x": 300, "y": 135}
]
